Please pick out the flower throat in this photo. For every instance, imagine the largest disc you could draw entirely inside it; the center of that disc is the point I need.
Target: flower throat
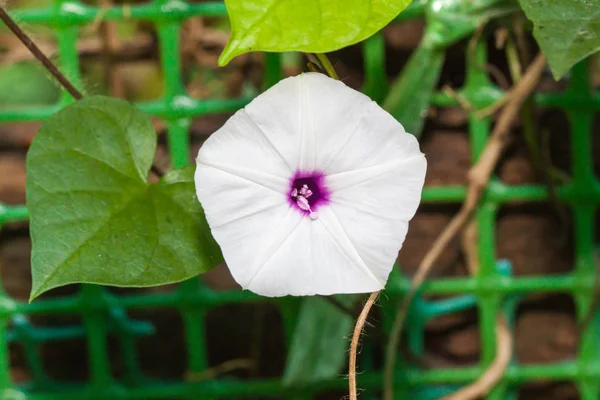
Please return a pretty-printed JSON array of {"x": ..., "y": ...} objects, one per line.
[{"x": 306, "y": 194}]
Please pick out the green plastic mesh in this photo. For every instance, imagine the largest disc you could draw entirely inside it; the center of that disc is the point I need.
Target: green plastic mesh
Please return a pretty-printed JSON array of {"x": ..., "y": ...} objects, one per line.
[{"x": 492, "y": 290}]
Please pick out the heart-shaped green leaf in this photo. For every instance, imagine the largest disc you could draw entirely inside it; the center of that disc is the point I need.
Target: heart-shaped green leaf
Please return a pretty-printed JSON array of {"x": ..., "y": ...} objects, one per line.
[
  {"x": 312, "y": 26},
  {"x": 566, "y": 30},
  {"x": 94, "y": 216}
]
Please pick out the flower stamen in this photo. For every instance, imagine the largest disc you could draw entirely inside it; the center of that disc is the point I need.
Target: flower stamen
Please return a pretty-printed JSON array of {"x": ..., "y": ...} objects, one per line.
[{"x": 301, "y": 198}]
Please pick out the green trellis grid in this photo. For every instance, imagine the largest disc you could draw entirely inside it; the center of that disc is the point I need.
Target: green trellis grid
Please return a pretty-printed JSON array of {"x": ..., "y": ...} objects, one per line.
[{"x": 103, "y": 312}]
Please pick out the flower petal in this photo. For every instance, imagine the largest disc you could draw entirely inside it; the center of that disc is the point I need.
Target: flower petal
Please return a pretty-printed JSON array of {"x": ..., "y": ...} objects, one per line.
[
  {"x": 273, "y": 182},
  {"x": 278, "y": 114},
  {"x": 313, "y": 260},
  {"x": 248, "y": 244},
  {"x": 246, "y": 219},
  {"x": 226, "y": 197},
  {"x": 331, "y": 112},
  {"x": 373, "y": 173},
  {"x": 394, "y": 193},
  {"x": 374, "y": 212},
  {"x": 357, "y": 133},
  {"x": 242, "y": 143}
]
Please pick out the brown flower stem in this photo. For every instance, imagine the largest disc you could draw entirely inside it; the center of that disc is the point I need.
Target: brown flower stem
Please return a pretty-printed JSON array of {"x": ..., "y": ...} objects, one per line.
[{"x": 360, "y": 323}]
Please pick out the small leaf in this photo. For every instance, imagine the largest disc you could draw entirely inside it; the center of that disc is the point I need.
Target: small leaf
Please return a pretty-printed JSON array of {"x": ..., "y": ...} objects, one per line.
[
  {"x": 320, "y": 342},
  {"x": 312, "y": 26},
  {"x": 566, "y": 30},
  {"x": 95, "y": 218}
]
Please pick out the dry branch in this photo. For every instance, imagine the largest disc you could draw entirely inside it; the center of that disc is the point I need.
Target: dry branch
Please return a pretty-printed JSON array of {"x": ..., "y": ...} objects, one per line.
[
  {"x": 49, "y": 65},
  {"x": 35, "y": 50},
  {"x": 492, "y": 375},
  {"x": 478, "y": 177},
  {"x": 504, "y": 344}
]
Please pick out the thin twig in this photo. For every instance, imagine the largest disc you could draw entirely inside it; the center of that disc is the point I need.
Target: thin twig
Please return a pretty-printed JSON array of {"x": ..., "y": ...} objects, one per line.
[
  {"x": 552, "y": 176},
  {"x": 493, "y": 108},
  {"x": 49, "y": 65},
  {"x": 478, "y": 177},
  {"x": 496, "y": 369},
  {"x": 474, "y": 39},
  {"x": 521, "y": 38},
  {"x": 460, "y": 99},
  {"x": 130, "y": 50},
  {"x": 497, "y": 74},
  {"x": 439, "y": 245},
  {"x": 494, "y": 71},
  {"x": 126, "y": 11},
  {"x": 469, "y": 245},
  {"x": 492, "y": 375},
  {"x": 99, "y": 18},
  {"x": 360, "y": 323},
  {"x": 501, "y": 36},
  {"x": 514, "y": 66},
  {"x": 312, "y": 58},
  {"x": 313, "y": 67},
  {"x": 39, "y": 55}
]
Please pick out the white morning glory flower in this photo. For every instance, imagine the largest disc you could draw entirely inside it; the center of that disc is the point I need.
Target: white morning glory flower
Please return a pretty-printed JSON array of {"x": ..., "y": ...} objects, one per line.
[{"x": 309, "y": 189}]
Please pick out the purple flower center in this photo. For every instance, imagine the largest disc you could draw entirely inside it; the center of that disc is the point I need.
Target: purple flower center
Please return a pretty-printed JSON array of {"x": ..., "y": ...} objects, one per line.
[{"x": 308, "y": 192}]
